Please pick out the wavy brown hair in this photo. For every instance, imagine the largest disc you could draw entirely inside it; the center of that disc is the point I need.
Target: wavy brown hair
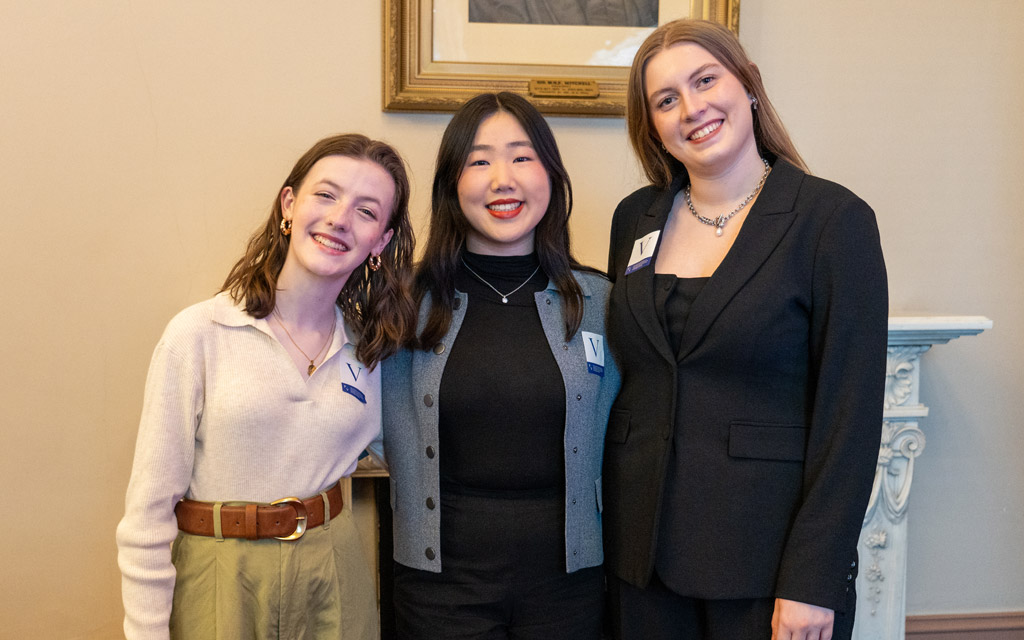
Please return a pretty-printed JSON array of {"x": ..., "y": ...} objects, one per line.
[
  {"x": 446, "y": 239},
  {"x": 769, "y": 133},
  {"x": 376, "y": 304}
]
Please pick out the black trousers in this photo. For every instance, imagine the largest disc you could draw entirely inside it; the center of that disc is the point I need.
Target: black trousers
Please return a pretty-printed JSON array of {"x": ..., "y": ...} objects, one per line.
[
  {"x": 657, "y": 613},
  {"x": 503, "y": 575}
]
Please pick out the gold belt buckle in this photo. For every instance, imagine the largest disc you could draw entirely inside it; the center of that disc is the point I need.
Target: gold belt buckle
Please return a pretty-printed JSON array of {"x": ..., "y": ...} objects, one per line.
[{"x": 300, "y": 518}]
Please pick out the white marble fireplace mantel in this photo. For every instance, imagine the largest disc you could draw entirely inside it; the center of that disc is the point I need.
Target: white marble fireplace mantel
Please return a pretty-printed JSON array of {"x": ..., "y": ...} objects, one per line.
[{"x": 882, "y": 581}]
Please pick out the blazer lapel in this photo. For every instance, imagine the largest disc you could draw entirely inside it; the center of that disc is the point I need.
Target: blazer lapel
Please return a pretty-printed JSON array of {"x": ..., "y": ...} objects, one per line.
[
  {"x": 764, "y": 228},
  {"x": 640, "y": 283}
]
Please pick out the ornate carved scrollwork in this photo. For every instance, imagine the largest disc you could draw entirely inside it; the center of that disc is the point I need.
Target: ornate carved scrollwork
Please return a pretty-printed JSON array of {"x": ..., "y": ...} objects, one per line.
[
  {"x": 901, "y": 443},
  {"x": 876, "y": 542},
  {"x": 899, "y": 373}
]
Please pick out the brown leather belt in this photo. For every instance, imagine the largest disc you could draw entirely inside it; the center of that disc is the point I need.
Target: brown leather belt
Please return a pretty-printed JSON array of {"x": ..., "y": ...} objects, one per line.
[{"x": 284, "y": 519}]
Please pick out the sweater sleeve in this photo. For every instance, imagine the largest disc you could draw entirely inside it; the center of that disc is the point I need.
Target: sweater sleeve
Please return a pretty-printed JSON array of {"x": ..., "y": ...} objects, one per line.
[
  {"x": 848, "y": 352},
  {"x": 164, "y": 454}
]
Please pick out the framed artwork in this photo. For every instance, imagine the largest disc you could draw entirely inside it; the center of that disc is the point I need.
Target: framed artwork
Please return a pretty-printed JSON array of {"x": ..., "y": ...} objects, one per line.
[{"x": 568, "y": 60}]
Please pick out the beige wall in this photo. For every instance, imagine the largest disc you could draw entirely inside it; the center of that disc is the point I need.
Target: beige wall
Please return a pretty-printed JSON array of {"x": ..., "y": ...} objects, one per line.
[{"x": 140, "y": 143}]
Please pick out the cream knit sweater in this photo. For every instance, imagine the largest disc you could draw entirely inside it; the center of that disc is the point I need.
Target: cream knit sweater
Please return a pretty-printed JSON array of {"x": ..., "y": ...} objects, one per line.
[{"x": 227, "y": 416}]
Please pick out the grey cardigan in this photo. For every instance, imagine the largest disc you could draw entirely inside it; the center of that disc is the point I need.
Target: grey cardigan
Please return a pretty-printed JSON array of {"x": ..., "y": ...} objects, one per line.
[{"x": 410, "y": 382}]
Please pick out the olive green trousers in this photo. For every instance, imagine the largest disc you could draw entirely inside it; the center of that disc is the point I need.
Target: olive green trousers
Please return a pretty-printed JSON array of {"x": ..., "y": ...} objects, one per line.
[{"x": 317, "y": 587}]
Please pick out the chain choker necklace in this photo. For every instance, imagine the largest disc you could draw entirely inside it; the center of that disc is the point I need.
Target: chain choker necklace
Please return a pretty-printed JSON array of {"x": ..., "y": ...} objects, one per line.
[
  {"x": 504, "y": 296},
  {"x": 719, "y": 222}
]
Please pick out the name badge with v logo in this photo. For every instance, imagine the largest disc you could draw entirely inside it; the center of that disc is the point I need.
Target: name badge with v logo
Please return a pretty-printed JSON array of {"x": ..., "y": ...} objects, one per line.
[
  {"x": 354, "y": 371},
  {"x": 593, "y": 346},
  {"x": 643, "y": 250}
]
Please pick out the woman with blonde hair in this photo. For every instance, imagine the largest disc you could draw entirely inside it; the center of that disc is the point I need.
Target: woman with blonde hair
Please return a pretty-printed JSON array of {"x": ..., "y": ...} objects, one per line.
[
  {"x": 257, "y": 402},
  {"x": 748, "y": 315}
]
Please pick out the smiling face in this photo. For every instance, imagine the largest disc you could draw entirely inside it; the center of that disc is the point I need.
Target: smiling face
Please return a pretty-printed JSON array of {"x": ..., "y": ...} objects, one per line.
[
  {"x": 504, "y": 189},
  {"x": 701, "y": 112},
  {"x": 339, "y": 216}
]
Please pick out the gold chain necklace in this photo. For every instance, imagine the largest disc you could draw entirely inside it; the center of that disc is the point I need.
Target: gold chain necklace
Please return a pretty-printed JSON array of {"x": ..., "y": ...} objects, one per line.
[{"x": 330, "y": 338}]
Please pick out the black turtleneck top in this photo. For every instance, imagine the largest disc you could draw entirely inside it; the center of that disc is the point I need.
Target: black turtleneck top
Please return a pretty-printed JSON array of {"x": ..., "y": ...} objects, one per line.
[{"x": 502, "y": 398}]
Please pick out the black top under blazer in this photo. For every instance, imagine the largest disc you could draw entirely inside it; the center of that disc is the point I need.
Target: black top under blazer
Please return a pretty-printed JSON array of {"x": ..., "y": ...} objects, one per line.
[{"x": 780, "y": 379}]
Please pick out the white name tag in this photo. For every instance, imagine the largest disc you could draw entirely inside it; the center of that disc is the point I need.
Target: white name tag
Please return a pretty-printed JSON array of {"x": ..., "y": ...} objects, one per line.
[
  {"x": 643, "y": 250},
  {"x": 593, "y": 346}
]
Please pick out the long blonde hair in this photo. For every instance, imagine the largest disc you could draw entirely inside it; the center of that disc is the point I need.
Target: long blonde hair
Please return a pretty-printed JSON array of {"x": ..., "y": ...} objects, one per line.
[{"x": 769, "y": 132}]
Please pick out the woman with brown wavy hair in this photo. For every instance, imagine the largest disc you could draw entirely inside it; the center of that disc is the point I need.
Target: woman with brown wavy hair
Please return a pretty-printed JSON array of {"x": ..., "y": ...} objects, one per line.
[
  {"x": 266, "y": 392},
  {"x": 748, "y": 314}
]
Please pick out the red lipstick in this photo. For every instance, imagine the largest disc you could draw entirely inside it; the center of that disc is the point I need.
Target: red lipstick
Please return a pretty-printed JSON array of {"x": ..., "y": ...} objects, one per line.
[{"x": 505, "y": 208}]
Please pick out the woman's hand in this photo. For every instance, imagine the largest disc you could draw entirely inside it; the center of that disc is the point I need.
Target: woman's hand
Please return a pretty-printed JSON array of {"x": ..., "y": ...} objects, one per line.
[{"x": 799, "y": 621}]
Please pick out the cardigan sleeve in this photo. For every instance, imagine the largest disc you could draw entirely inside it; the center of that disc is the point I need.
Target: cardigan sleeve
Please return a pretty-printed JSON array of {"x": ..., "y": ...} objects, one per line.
[
  {"x": 164, "y": 454},
  {"x": 848, "y": 337}
]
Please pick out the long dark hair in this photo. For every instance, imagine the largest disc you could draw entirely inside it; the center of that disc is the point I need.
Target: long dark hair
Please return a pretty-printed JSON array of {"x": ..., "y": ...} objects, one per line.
[
  {"x": 446, "y": 239},
  {"x": 769, "y": 133},
  {"x": 376, "y": 304}
]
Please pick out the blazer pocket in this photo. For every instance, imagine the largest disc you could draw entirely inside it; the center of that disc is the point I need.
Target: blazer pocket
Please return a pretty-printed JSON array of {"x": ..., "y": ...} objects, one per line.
[
  {"x": 767, "y": 441},
  {"x": 618, "y": 426}
]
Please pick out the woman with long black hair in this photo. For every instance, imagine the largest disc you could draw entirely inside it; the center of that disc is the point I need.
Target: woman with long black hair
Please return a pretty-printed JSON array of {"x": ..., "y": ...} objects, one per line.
[{"x": 495, "y": 417}]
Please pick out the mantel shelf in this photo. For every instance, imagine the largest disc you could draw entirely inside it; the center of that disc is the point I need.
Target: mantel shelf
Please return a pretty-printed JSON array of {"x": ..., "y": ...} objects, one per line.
[{"x": 926, "y": 330}]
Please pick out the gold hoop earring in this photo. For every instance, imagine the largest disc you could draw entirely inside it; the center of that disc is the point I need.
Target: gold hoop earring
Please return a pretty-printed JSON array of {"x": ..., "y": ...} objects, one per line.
[
  {"x": 286, "y": 227},
  {"x": 375, "y": 262}
]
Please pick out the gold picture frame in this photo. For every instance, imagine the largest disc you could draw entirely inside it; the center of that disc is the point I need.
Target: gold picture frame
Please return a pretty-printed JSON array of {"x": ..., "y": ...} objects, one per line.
[{"x": 414, "y": 81}]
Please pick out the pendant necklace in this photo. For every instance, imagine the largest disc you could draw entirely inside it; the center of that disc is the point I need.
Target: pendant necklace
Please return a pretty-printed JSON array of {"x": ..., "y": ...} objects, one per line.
[
  {"x": 719, "y": 222},
  {"x": 330, "y": 338},
  {"x": 504, "y": 296}
]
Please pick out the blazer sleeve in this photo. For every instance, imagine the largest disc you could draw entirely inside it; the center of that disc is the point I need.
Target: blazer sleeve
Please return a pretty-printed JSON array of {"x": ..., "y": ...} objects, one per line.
[
  {"x": 613, "y": 243},
  {"x": 848, "y": 336},
  {"x": 624, "y": 217}
]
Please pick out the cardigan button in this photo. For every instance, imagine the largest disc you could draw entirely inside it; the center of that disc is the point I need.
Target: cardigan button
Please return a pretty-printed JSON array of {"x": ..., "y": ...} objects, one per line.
[
  {"x": 579, "y": 397},
  {"x": 429, "y": 553},
  {"x": 548, "y": 301},
  {"x": 575, "y": 449},
  {"x": 457, "y": 303},
  {"x": 430, "y": 504},
  {"x": 565, "y": 347},
  {"x": 427, "y": 400},
  {"x": 430, "y": 452},
  {"x": 439, "y": 348}
]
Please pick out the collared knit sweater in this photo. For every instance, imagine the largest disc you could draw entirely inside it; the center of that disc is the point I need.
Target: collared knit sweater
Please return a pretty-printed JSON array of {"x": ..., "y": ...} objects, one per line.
[{"x": 227, "y": 416}]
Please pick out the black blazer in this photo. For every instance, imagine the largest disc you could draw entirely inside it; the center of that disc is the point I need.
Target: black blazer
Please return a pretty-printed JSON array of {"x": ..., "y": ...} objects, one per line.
[{"x": 780, "y": 376}]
